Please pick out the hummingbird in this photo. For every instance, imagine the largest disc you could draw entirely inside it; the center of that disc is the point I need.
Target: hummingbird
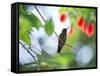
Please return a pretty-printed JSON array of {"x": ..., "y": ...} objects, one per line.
[{"x": 62, "y": 40}]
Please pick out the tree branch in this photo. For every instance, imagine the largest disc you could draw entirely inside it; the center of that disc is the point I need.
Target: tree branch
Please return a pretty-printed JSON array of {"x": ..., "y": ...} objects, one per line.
[
  {"x": 54, "y": 31},
  {"x": 30, "y": 54}
]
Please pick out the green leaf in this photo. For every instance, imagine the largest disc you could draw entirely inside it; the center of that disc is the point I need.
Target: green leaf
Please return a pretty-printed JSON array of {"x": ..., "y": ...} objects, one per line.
[
  {"x": 33, "y": 19},
  {"x": 62, "y": 9},
  {"x": 22, "y": 8},
  {"x": 49, "y": 27},
  {"x": 25, "y": 37},
  {"x": 24, "y": 29},
  {"x": 26, "y": 22}
]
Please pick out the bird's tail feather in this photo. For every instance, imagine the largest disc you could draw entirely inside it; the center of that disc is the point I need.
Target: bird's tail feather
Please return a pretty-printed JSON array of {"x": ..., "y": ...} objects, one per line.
[{"x": 59, "y": 50}]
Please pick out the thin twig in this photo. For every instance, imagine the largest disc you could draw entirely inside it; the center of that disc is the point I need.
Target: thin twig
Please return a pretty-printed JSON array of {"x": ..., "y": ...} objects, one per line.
[
  {"x": 40, "y": 13},
  {"x": 27, "y": 50},
  {"x": 30, "y": 54},
  {"x": 63, "y": 42}
]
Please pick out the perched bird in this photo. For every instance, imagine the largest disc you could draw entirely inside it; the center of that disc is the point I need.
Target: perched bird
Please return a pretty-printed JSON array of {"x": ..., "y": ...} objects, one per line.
[{"x": 60, "y": 42}]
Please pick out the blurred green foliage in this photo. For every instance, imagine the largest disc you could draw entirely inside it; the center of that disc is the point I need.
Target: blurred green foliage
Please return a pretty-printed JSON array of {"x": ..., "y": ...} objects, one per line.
[
  {"x": 27, "y": 20},
  {"x": 49, "y": 27}
]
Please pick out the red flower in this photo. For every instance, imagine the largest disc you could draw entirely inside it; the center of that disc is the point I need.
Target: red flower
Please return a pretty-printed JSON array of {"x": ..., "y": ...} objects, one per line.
[
  {"x": 84, "y": 27},
  {"x": 90, "y": 29},
  {"x": 63, "y": 17},
  {"x": 81, "y": 22}
]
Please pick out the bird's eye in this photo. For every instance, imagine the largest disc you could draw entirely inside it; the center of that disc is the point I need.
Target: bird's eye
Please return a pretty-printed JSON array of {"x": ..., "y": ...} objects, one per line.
[{"x": 63, "y": 17}]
